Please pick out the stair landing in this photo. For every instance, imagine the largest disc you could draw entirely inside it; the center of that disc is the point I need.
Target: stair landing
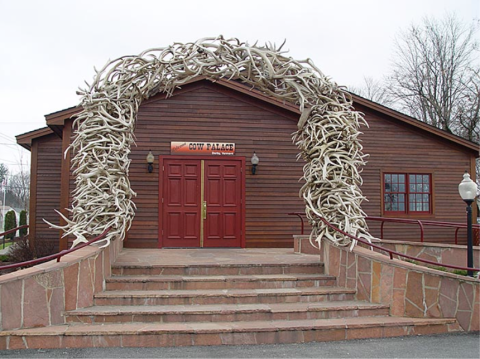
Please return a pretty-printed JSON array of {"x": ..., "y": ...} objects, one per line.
[{"x": 209, "y": 256}]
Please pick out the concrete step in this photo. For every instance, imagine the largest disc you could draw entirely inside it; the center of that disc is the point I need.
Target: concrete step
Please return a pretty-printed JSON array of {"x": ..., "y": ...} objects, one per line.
[
  {"x": 171, "y": 282},
  {"x": 225, "y": 296},
  {"x": 308, "y": 267},
  {"x": 244, "y": 332},
  {"x": 225, "y": 313}
]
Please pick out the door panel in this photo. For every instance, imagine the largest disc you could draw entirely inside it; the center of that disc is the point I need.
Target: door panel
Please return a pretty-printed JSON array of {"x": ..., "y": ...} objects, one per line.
[
  {"x": 223, "y": 188},
  {"x": 182, "y": 222},
  {"x": 181, "y": 203}
]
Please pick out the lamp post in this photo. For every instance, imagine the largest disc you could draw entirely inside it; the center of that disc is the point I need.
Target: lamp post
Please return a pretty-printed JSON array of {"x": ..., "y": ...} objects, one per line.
[{"x": 468, "y": 189}]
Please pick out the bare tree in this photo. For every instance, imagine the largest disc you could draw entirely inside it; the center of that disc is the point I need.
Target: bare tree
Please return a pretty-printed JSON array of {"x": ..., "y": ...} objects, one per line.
[
  {"x": 3, "y": 172},
  {"x": 435, "y": 75},
  {"x": 373, "y": 90},
  {"x": 469, "y": 109},
  {"x": 19, "y": 189},
  {"x": 19, "y": 184}
]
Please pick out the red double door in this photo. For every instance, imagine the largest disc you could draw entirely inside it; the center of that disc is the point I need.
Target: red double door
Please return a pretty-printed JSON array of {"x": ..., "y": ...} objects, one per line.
[{"x": 202, "y": 203}]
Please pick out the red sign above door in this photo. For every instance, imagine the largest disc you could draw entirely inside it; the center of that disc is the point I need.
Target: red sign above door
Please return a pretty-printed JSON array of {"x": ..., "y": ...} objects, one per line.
[{"x": 202, "y": 148}]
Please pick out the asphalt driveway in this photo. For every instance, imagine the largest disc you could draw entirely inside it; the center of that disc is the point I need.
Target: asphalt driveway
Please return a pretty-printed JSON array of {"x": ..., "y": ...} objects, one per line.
[{"x": 434, "y": 346}]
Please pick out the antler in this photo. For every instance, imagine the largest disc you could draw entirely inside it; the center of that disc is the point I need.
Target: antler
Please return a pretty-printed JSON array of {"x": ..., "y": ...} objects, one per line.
[{"x": 327, "y": 135}]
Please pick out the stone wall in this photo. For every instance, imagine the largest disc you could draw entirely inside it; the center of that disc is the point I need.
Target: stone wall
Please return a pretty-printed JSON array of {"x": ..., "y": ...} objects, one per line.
[
  {"x": 38, "y": 296},
  {"x": 410, "y": 290},
  {"x": 441, "y": 253}
]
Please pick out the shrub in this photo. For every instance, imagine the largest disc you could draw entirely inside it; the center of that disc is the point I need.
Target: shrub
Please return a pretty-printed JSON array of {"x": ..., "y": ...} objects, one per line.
[
  {"x": 465, "y": 272},
  {"x": 10, "y": 223},
  {"x": 23, "y": 221},
  {"x": 21, "y": 251},
  {"x": 440, "y": 268}
]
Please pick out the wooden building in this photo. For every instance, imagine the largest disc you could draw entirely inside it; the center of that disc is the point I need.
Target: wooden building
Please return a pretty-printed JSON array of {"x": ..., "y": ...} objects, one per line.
[{"x": 197, "y": 197}]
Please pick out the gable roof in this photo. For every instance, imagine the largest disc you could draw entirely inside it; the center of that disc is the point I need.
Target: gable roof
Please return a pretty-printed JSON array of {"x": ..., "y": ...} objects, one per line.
[
  {"x": 413, "y": 121},
  {"x": 56, "y": 120},
  {"x": 25, "y": 139}
]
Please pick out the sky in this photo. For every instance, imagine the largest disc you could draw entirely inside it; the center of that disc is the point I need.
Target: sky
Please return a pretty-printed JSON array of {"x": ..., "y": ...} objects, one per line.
[{"x": 48, "y": 48}]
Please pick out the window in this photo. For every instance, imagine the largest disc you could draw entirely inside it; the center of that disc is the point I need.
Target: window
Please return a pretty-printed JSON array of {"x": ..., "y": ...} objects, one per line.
[{"x": 407, "y": 193}]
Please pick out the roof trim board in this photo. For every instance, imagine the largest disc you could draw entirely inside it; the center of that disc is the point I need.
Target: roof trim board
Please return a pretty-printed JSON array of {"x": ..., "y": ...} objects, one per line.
[{"x": 25, "y": 139}]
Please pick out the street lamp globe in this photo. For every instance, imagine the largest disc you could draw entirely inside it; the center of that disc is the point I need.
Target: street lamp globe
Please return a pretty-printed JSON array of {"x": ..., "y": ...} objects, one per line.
[{"x": 467, "y": 188}]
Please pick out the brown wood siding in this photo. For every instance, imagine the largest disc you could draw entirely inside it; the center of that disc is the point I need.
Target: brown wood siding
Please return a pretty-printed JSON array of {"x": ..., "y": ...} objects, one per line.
[
  {"x": 47, "y": 196},
  {"x": 207, "y": 112},
  {"x": 203, "y": 111},
  {"x": 396, "y": 147}
]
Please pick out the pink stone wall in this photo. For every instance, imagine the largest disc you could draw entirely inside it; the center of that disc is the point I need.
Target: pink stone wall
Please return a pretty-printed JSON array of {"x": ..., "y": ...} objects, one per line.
[
  {"x": 410, "y": 290},
  {"x": 38, "y": 296},
  {"x": 442, "y": 253},
  {"x": 301, "y": 244}
]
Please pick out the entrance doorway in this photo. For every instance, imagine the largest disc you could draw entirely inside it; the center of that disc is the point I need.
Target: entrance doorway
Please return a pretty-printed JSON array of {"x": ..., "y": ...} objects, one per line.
[{"x": 202, "y": 202}]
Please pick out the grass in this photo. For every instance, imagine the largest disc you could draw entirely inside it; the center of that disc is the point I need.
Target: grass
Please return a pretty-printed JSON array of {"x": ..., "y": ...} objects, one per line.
[
  {"x": 440, "y": 268},
  {"x": 463, "y": 272},
  {"x": 7, "y": 244}
]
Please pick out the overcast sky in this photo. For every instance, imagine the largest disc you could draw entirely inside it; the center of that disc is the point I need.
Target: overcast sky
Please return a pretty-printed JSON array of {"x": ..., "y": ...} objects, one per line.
[{"x": 49, "y": 48}]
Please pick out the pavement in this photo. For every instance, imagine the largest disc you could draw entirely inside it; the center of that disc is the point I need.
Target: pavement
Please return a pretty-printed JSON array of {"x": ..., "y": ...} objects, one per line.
[{"x": 455, "y": 345}]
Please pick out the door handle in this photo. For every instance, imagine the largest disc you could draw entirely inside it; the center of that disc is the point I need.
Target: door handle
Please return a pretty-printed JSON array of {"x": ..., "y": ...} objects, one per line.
[{"x": 204, "y": 210}]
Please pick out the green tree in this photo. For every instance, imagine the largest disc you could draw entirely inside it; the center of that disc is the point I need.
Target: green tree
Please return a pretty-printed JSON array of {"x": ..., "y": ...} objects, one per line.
[
  {"x": 23, "y": 221},
  {"x": 10, "y": 223}
]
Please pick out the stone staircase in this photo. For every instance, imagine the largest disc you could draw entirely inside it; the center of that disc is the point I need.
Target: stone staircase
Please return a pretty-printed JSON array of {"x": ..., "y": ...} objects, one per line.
[{"x": 147, "y": 305}]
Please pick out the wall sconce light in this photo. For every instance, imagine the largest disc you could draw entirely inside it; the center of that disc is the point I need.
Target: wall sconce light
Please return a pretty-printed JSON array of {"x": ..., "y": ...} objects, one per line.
[
  {"x": 254, "y": 161},
  {"x": 150, "y": 160}
]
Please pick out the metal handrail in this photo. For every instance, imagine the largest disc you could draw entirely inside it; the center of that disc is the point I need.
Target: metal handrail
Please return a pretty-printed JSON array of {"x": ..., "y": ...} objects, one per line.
[
  {"x": 299, "y": 215},
  {"x": 421, "y": 223},
  {"x": 398, "y": 220},
  {"x": 13, "y": 230},
  {"x": 56, "y": 256},
  {"x": 392, "y": 252}
]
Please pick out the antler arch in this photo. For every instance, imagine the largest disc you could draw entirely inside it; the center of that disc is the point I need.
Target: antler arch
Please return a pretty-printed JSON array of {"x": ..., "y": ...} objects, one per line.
[{"x": 327, "y": 135}]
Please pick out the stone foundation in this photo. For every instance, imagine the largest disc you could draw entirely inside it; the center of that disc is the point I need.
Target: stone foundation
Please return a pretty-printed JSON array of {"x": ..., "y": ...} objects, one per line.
[
  {"x": 410, "y": 290},
  {"x": 38, "y": 296}
]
